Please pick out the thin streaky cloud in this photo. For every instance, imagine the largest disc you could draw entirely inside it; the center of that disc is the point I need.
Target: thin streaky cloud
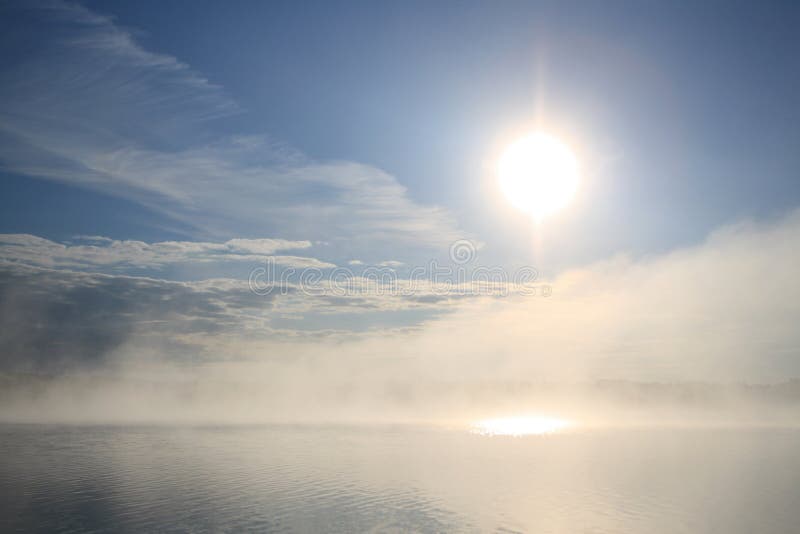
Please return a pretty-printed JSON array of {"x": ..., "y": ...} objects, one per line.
[
  {"x": 91, "y": 107},
  {"x": 104, "y": 252}
]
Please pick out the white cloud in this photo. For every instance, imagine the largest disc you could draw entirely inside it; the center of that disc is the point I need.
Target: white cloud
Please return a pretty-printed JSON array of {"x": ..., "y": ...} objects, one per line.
[
  {"x": 264, "y": 246},
  {"x": 726, "y": 309},
  {"x": 105, "y": 252}
]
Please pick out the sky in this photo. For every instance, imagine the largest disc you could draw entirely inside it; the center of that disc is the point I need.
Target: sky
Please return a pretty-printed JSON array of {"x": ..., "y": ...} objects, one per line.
[{"x": 170, "y": 171}]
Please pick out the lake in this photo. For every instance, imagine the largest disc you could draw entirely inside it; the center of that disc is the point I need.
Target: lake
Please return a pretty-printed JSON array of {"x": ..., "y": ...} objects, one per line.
[{"x": 285, "y": 478}]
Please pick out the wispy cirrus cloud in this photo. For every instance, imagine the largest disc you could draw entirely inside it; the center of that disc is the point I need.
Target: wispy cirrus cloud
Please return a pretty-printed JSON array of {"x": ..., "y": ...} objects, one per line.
[
  {"x": 88, "y": 77},
  {"x": 242, "y": 183},
  {"x": 89, "y": 106}
]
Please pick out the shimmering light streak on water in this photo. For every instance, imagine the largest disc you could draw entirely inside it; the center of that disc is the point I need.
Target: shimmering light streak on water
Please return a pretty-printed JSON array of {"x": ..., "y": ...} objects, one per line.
[{"x": 520, "y": 426}]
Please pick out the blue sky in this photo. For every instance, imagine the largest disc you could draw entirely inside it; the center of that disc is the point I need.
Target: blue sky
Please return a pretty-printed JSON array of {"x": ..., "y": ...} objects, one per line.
[
  {"x": 690, "y": 112},
  {"x": 327, "y": 134}
]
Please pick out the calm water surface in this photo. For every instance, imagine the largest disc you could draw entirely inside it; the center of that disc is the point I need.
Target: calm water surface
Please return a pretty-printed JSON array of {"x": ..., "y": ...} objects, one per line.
[{"x": 384, "y": 479}]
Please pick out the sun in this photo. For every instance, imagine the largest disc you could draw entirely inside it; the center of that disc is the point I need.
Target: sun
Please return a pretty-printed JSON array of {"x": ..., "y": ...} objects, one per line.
[{"x": 538, "y": 174}]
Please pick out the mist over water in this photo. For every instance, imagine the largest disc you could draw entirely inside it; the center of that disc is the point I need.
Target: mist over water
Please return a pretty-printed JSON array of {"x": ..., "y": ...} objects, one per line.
[
  {"x": 313, "y": 393},
  {"x": 162, "y": 448}
]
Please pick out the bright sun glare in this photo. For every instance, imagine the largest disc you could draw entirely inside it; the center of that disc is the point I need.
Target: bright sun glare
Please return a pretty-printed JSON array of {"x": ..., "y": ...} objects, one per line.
[
  {"x": 538, "y": 174},
  {"x": 520, "y": 426}
]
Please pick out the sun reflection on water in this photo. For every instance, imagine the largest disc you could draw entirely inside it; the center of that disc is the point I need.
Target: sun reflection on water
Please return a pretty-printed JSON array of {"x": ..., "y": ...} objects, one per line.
[{"x": 520, "y": 426}]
